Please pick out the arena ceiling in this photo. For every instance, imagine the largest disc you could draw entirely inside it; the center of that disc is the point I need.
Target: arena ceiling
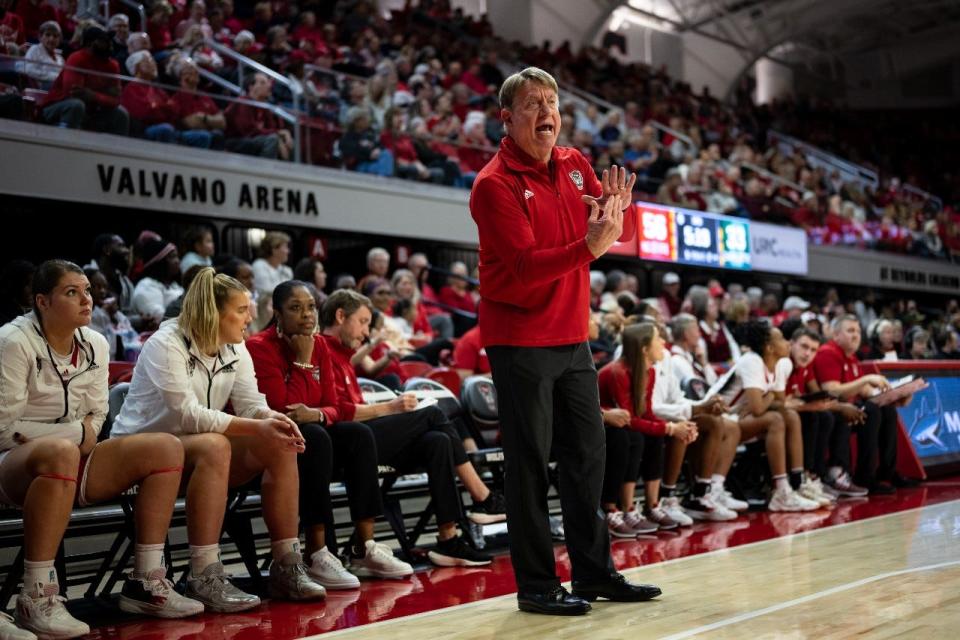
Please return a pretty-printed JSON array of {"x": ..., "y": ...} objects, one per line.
[{"x": 828, "y": 27}]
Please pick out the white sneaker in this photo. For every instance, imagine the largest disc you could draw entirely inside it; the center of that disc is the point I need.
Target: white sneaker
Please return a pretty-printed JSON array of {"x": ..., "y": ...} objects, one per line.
[
  {"x": 790, "y": 500},
  {"x": 153, "y": 595},
  {"x": 706, "y": 508},
  {"x": 379, "y": 562},
  {"x": 618, "y": 528},
  {"x": 47, "y": 616},
  {"x": 327, "y": 569},
  {"x": 10, "y": 631},
  {"x": 724, "y": 498},
  {"x": 672, "y": 508},
  {"x": 810, "y": 491}
]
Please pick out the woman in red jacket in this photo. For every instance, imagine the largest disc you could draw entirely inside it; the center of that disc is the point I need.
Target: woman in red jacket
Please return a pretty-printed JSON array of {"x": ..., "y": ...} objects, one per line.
[
  {"x": 635, "y": 436},
  {"x": 295, "y": 373}
]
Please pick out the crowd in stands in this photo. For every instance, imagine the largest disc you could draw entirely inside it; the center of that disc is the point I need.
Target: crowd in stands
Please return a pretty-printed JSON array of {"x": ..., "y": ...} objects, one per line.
[
  {"x": 262, "y": 362},
  {"x": 415, "y": 96}
]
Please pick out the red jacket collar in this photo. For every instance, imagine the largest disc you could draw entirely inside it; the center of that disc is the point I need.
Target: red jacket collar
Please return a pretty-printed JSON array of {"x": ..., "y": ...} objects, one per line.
[
  {"x": 519, "y": 160},
  {"x": 338, "y": 347}
]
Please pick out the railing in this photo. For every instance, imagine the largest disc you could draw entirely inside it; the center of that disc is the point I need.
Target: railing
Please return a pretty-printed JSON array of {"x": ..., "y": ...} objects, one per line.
[
  {"x": 20, "y": 64},
  {"x": 246, "y": 65},
  {"x": 817, "y": 157},
  {"x": 136, "y": 6}
]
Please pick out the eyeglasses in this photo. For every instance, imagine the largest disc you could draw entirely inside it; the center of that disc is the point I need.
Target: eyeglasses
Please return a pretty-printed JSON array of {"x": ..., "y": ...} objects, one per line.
[{"x": 382, "y": 292}]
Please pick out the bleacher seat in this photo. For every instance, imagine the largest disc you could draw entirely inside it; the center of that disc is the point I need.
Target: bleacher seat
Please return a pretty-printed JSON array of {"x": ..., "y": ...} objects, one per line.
[{"x": 447, "y": 377}]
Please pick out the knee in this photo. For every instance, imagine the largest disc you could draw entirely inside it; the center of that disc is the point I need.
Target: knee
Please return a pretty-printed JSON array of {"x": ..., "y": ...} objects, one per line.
[
  {"x": 163, "y": 449},
  {"x": 212, "y": 449},
  {"x": 791, "y": 419},
  {"x": 731, "y": 430},
  {"x": 54, "y": 456},
  {"x": 775, "y": 424},
  {"x": 436, "y": 443}
]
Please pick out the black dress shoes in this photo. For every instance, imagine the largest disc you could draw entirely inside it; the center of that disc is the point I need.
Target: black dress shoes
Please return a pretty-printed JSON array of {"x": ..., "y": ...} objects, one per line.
[
  {"x": 616, "y": 589},
  {"x": 556, "y": 602}
]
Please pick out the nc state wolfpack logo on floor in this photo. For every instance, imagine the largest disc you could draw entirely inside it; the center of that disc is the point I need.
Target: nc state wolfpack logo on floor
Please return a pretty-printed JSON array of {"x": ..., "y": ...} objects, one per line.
[{"x": 577, "y": 179}]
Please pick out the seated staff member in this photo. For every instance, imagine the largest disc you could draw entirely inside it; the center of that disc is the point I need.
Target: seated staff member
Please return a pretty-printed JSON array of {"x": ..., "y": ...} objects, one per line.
[
  {"x": 837, "y": 370},
  {"x": 713, "y": 452},
  {"x": 295, "y": 373},
  {"x": 816, "y": 417},
  {"x": 53, "y": 401},
  {"x": 627, "y": 383},
  {"x": 407, "y": 438},
  {"x": 749, "y": 389},
  {"x": 469, "y": 356},
  {"x": 186, "y": 374}
]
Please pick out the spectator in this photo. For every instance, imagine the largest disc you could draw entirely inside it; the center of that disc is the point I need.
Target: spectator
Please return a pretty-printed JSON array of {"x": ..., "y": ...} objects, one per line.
[
  {"x": 119, "y": 28},
  {"x": 160, "y": 284},
  {"x": 13, "y": 34},
  {"x": 181, "y": 385},
  {"x": 45, "y": 57},
  {"x": 49, "y": 438},
  {"x": 916, "y": 344},
  {"x": 720, "y": 345},
  {"x": 793, "y": 308},
  {"x": 882, "y": 343},
  {"x": 311, "y": 271},
  {"x": 378, "y": 266},
  {"x": 196, "y": 112},
  {"x": 470, "y": 356},
  {"x": 34, "y": 13},
  {"x": 196, "y": 18},
  {"x": 947, "y": 343},
  {"x": 669, "y": 300},
  {"x": 16, "y": 294},
  {"x": 193, "y": 45},
  {"x": 158, "y": 25},
  {"x": 456, "y": 294},
  {"x": 151, "y": 108},
  {"x": 360, "y": 148},
  {"x": 198, "y": 248},
  {"x": 399, "y": 143},
  {"x": 77, "y": 99},
  {"x": 269, "y": 270},
  {"x": 107, "y": 319},
  {"x": 254, "y": 130}
]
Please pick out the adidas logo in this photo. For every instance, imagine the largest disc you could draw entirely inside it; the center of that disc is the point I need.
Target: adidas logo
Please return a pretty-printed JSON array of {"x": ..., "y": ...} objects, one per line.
[{"x": 527, "y": 194}]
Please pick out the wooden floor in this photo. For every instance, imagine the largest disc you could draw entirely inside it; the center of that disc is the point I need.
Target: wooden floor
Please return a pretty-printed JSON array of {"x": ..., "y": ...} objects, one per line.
[{"x": 894, "y": 576}]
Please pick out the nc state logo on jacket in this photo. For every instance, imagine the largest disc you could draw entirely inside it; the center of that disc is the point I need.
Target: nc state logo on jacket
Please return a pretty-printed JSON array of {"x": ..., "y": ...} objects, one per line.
[{"x": 577, "y": 179}]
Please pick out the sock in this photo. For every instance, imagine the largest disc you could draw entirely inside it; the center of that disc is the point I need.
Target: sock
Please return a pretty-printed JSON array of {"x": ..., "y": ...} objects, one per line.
[
  {"x": 316, "y": 554},
  {"x": 40, "y": 578},
  {"x": 668, "y": 490},
  {"x": 781, "y": 482},
  {"x": 796, "y": 477},
  {"x": 701, "y": 488},
  {"x": 358, "y": 549},
  {"x": 147, "y": 557},
  {"x": 280, "y": 548},
  {"x": 834, "y": 472},
  {"x": 202, "y": 556},
  {"x": 718, "y": 480}
]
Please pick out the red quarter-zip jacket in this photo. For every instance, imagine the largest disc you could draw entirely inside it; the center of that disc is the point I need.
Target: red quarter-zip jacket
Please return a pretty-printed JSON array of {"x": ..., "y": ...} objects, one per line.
[{"x": 534, "y": 260}]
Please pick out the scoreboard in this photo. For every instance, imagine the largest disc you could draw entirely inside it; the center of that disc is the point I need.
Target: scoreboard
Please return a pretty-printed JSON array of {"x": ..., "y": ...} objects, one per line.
[{"x": 694, "y": 238}]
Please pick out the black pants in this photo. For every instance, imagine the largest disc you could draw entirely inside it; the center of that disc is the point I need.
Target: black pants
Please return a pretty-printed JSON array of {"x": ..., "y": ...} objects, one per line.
[
  {"x": 624, "y": 452},
  {"x": 651, "y": 464},
  {"x": 817, "y": 428},
  {"x": 547, "y": 396},
  {"x": 876, "y": 445},
  {"x": 406, "y": 441},
  {"x": 344, "y": 449}
]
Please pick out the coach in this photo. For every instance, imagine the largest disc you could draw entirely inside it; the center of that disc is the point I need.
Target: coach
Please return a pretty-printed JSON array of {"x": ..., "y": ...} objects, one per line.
[{"x": 543, "y": 217}]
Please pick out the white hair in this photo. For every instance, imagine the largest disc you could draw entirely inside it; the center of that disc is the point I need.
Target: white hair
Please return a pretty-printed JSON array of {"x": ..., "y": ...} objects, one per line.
[{"x": 134, "y": 60}]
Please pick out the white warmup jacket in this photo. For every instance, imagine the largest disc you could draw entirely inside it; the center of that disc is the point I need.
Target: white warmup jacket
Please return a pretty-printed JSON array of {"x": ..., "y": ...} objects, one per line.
[
  {"x": 38, "y": 398},
  {"x": 668, "y": 400},
  {"x": 176, "y": 389}
]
